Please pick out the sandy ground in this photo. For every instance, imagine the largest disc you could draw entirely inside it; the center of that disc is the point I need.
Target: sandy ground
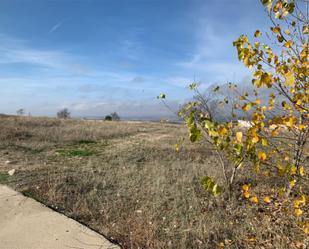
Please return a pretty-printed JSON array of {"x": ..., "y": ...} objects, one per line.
[{"x": 27, "y": 224}]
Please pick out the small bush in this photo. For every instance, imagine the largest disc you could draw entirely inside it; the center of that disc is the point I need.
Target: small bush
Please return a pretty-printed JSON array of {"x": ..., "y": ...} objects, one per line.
[
  {"x": 108, "y": 118},
  {"x": 64, "y": 113},
  {"x": 115, "y": 116}
]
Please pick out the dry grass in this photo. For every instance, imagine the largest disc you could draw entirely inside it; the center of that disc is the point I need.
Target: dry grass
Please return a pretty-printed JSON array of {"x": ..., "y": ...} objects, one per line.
[{"x": 125, "y": 180}]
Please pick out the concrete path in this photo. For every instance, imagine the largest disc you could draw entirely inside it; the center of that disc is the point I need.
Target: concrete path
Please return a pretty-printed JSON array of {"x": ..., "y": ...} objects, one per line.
[{"x": 27, "y": 224}]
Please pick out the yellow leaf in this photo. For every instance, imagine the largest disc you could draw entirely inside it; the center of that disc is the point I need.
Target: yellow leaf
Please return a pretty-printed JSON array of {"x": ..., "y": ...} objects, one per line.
[
  {"x": 239, "y": 136},
  {"x": 274, "y": 133},
  {"x": 289, "y": 121},
  {"x": 306, "y": 228},
  {"x": 287, "y": 32},
  {"x": 296, "y": 204},
  {"x": 302, "y": 199},
  {"x": 302, "y": 170},
  {"x": 246, "y": 107},
  {"x": 293, "y": 170},
  {"x": 257, "y": 101},
  {"x": 228, "y": 241},
  {"x": 298, "y": 212},
  {"x": 266, "y": 199},
  {"x": 305, "y": 29},
  {"x": 285, "y": 105},
  {"x": 221, "y": 245},
  {"x": 281, "y": 170},
  {"x": 261, "y": 155},
  {"x": 251, "y": 238},
  {"x": 255, "y": 138},
  {"x": 254, "y": 199},
  {"x": 299, "y": 202},
  {"x": 177, "y": 147},
  {"x": 222, "y": 131},
  {"x": 264, "y": 142},
  {"x": 276, "y": 29},
  {"x": 301, "y": 127},
  {"x": 289, "y": 79},
  {"x": 245, "y": 187},
  {"x": 257, "y": 33},
  {"x": 288, "y": 44},
  {"x": 246, "y": 194},
  {"x": 271, "y": 101},
  {"x": 292, "y": 183},
  {"x": 298, "y": 102}
]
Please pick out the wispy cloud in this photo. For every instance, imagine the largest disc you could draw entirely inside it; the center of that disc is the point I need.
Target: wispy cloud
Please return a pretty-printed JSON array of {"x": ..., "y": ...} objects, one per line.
[
  {"x": 57, "y": 78},
  {"x": 55, "y": 27},
  {"x": 45, "y": 58},
  {"x": 14, "y": 51},
  {"x": 213, "y": 58}
]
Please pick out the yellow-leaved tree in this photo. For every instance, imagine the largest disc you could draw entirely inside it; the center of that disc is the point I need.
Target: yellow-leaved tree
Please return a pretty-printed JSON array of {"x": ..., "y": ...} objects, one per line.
[{"x": 274, "y": 140}]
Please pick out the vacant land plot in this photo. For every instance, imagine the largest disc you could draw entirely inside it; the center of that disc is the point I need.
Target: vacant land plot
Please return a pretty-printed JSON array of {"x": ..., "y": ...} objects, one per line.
[{"x": 126, "y": 181}]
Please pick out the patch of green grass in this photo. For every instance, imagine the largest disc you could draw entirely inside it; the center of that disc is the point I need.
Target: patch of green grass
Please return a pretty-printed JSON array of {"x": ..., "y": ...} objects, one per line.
[
  {"x": 3, "y": 177},
  {"x": 75, "y": 153}
]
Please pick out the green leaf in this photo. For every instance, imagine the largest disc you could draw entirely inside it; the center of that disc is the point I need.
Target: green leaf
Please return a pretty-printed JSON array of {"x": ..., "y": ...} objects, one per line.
[
  {"x": 195, "y": 134},
  {"x": 290, "y": 7},
  {"x": 267, "y": 4},
  {"x": 217, "y": 88},
  {"x": 211, "y": 186},
  {"x": 161, "y": 96},
  {"x": 193, "y": 86},
  {"x": 238, "y": 148},
  {"x": 264, "y": 142},
  {"x": 306, "y": 29}
]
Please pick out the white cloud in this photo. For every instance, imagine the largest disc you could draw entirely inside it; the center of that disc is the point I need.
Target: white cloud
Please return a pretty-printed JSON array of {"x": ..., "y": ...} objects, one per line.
[
  {"x": 57, "y": 79},
  {"x": 212, "y": 58},
  {"x": 55, "y": 27}
]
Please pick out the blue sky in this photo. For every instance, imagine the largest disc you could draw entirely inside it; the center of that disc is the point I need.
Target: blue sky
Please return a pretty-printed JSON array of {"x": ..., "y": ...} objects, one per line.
[{"x": 100, "y": 56}]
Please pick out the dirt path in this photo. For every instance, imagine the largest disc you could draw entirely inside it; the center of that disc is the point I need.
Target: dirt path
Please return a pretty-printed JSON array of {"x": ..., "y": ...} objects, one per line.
[{"x": 25, "y": 223}]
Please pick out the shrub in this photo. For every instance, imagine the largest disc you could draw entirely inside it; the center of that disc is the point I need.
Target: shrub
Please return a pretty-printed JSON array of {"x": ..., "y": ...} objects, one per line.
[
  {"x": 63, "y": 113},
  {"x": 274, "y": 143},
  {"x": 20, "y": 112},
  {"x": 115, "y": 116},
  {"x": 108, "y": 118}
]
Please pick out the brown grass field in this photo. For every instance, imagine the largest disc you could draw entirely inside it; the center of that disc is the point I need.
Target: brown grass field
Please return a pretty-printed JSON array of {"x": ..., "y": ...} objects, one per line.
[{"x": 126, "y": 181}]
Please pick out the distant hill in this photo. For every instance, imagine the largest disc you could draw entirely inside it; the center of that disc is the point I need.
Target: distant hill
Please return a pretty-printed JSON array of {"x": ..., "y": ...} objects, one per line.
[{"x": 2, "y": 115}]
